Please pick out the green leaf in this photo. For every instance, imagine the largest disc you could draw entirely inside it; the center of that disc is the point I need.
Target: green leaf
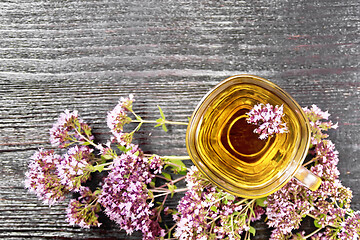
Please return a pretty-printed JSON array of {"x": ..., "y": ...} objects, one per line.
[
  {"x": 97, "y": 192},
  {"x": 85, "y": 143},
  {"x": 230, "y": 197},
  {"x": 260, "y": 202},
  {"x": 164, "y": 128},
  {"x": 182, "y": 172},
  {"x": 78, "y": 125},
  {"x": 87, "y": 131},
  {"x": 151, "y": 194},
  {"x": 107, "y": 156},
  {"x": 99, "y": 168},
  {"x": 158, "y": 125},
  {"x": 299, "y": 236},
  {"x": 252, "y": 230},
  {"x": 161, "y": 112},
  {"x": 236, "y": 213},
  {"x": 213, "y": 208},
  {"x": 317, "y": 224},
  {"x": 166, "y": 175},
  {"x": 152, "y": 183},
  {"x": 122, "y": 148},
  {"x": 180, "y": 166},
  {"x": 172, "y": 189}
]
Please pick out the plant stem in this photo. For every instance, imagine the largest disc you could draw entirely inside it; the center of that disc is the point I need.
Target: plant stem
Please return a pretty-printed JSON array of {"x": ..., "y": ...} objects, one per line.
[
  {"x": 169, "y": 157},
  {"x": 87, "y": 139},
  {"x": 314, "y": 232},
  {"x": 175, "y": 165},
  {"x": 169, "y": 231},
  {"x": 169, "y": 192},
  {"x": 91, "y": 204},
  {"x": 105, "y": 164},
  {"x": 242, "y": 201},
  {"x": 171, "y": 182},
  {"x": 162, "y": 204},
  {"x": 160, "y": 190},
  {"x": 155, "y": 122},
  {"x": 307, "y": 163},
  {"x": 161, "y": 177},
  {"x": 177, "y": 180},
  {"x": 175, "y": 157},
  {"x": 312, "y": 216},
  {"x": 212, "y": 204},
  {"x": 213, "y": 220},
  {"x": 136, "y": 116}
]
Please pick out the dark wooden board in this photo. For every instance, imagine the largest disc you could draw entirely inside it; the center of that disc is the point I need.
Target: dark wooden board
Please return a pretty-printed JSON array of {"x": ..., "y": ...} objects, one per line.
[{"x": 84, "y": 55}]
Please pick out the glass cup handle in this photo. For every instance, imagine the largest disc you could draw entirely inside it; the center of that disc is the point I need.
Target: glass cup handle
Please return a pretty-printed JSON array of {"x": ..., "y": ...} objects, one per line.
[{"x": 306, "y": 177}]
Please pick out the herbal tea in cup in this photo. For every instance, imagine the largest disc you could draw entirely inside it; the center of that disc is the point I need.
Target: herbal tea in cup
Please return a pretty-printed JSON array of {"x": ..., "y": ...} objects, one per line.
[{"x": 225, "y": 148}]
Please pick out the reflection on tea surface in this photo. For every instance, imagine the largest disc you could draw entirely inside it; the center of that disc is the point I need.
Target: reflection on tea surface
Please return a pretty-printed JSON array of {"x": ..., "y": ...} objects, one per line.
[{"x": 238, "y": 137}]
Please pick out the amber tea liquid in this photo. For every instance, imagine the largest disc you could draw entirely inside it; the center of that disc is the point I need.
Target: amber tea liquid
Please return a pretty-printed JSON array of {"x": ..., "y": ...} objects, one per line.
[{"x": 231, "y": 150}]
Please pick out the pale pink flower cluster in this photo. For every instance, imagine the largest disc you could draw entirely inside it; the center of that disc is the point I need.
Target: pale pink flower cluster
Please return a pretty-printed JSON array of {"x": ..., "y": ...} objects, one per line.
[
  {"x": 124, "y": 194},
  {"x": 51, "y": 176},
  {"x": 156, "y": 164},
  {"x": 286, "y": 208},
  {"x": 117, "y": 118},
  {"x": 42, "y": 178},
  {"x": 268, "y": 119},
  {"x": 316, "y": 117},
  {"x": 66, "y": 130},
  {"x": 349, "y": 227},
  {"x": 74, "y": 168},
  {"x": 83, "y": 210},
  {"x": 206, "y": 211}
]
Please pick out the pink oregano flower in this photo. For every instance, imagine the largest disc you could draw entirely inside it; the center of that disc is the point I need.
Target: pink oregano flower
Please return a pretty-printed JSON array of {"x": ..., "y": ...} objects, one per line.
[
  {"x": 117, "y": 118},
  {"x": 42, "y": 178},
  {"x": 68, "y": 129},
  {"x": 206, "y": 212},
  {"x": 268, "y": 119},
  {"x": 83, "y": 210},
  {"x": 125, "y": 194}
]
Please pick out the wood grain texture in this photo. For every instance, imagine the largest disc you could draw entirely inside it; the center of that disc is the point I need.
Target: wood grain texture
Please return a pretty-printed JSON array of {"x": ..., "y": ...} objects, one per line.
[{"x": 84, "y": 55}]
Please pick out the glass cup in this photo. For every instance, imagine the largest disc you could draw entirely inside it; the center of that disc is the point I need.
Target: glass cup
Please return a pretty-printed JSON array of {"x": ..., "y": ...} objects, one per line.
[{"x": 226, "y": 150}]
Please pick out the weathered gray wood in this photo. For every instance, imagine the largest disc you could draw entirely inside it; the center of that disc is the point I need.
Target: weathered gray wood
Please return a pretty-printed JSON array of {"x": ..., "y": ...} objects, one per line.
[{"x": 84, "y": 55}]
